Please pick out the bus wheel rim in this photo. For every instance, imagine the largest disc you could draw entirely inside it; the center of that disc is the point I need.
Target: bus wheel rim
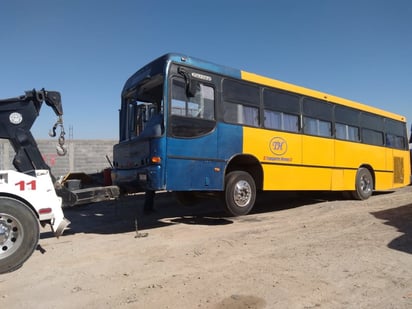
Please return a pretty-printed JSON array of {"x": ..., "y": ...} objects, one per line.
[
  {"x": 242, "y": 193},
  {"x": 365, "y": 184}
]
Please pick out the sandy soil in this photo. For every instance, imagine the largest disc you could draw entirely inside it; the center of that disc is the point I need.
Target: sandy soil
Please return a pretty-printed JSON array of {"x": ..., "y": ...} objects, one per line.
[{"x": 293, "y": 251}]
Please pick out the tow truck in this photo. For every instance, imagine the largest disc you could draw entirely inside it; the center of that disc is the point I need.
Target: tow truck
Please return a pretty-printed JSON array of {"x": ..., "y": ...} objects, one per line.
[{"x": 30, "y": 196}]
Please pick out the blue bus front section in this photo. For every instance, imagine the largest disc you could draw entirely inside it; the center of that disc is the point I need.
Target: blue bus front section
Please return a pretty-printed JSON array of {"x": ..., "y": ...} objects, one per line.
[
  {"x": 187, "y": 164},
  {"x": 135, "y": 170},
  {"x": 198, "y": 164}
]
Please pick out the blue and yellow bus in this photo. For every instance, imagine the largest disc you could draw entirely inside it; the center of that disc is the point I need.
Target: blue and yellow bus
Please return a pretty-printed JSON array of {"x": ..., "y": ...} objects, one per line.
[{"x": 197, "y": 128}]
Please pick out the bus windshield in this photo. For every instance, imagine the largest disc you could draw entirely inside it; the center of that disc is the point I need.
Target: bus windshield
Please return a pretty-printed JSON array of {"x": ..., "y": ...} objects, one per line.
[
  {"x": 145, "y": 108},
  {"x": 142, "y": 114}
]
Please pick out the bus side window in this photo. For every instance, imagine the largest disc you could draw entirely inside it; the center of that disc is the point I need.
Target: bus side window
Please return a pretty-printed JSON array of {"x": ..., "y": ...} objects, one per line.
[
  {"x": 396, "y": 136},
  {"x": 281, "y": 121},
  {"x": 347, "y": 123},
  {"x": 290, "y": 123},
  {"x": 192, "y": 116},
  {"x": 241, "y": 103},
  {"x": 317, "y": 118},
  {"x": 318, "y": 127},
  {"x": 372, "y": 137},
  {"x": 347, "y": 132},
  {"x": 241, "y": 114},
  {"x": 394, "y": 141},
  {"x": 201, "y": 105},
  {"x": 372, "y": 129},
  {"x": 281, "y": 110},
  {"x": 178, "y": 104},
  {"x": 273, "y": 120}
]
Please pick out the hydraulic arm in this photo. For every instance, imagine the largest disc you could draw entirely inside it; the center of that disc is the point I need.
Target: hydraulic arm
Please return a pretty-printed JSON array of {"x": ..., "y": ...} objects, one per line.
[{"x": 17, "y": 116}]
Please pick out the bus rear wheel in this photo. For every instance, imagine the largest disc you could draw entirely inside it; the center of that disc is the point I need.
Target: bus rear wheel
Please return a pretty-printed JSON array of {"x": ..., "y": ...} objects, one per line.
[
  {"x": 19, "y": 233},
  {"x": 240, "y": 193},
  {"x": 363, "y": 184}
]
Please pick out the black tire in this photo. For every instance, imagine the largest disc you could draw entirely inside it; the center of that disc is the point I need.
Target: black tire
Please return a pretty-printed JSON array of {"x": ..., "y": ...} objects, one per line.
[
  {"x": 186, "y": 198},
  {"x": 363, "y": 184},
  {"x": 19, "y": 233},
  {"x": 240, "y": 193}
]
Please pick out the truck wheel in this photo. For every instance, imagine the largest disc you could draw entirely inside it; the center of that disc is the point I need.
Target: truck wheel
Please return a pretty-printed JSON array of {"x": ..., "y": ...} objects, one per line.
[
  {"x": 363, "y": 184},
  {"x": 19, "y": 233},
  {"x": 240, "y": 193}
]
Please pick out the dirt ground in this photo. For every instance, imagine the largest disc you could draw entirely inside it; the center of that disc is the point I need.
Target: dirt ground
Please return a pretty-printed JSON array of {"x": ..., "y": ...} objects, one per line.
[{"x": 294, "y": 251}]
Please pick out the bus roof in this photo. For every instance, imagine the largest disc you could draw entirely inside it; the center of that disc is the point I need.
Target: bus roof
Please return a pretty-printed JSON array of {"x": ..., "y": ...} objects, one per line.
[
  {"x": 266, "y": 81},
  {"x": 317, "y": 94}
]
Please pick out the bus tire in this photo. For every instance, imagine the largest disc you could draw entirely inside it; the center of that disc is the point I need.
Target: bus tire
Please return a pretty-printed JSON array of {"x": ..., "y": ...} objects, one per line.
[
  {"x": 363, "y": 184},
  {"x": 240, "y": 193},
  {"x": 19, "y": 233}
]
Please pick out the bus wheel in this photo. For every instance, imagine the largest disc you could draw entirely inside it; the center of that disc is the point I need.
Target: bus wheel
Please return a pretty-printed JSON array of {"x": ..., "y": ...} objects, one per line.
[
  {"x": 363, "y": 185},
  {"x": 240, "y": 193},
  {"x": 19, "y": 234}
]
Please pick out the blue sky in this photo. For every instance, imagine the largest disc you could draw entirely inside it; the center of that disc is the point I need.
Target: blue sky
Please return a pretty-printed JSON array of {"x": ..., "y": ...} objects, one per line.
[{"x": 356, "y": 49}]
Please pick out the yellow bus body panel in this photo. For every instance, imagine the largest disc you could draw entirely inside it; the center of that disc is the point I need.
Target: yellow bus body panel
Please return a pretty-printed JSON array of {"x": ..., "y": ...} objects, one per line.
[
  {"x": 300, "y": 163},
  {"x": 293, "y": 161}
]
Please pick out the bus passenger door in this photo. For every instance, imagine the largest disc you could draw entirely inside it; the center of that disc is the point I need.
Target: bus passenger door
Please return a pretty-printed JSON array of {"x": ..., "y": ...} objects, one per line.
[{"x": 192, "y": 140}]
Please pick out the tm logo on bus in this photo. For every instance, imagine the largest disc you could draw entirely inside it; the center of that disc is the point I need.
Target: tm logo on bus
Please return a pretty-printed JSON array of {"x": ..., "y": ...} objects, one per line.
[{"x": 278, "y": 146}]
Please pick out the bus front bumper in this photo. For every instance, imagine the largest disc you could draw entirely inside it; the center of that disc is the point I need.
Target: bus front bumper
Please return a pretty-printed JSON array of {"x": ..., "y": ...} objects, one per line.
[{"x": 138, "y": 180}]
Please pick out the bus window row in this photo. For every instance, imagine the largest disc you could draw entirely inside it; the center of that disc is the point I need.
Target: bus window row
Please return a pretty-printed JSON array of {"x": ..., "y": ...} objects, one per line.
[{"x": 282, "y": 111}]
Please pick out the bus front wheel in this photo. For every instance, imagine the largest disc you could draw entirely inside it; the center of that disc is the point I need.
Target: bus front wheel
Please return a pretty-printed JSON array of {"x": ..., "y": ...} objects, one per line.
[
  {"x": 363, "y": 184},
  {"x": 240, "y": 193}
]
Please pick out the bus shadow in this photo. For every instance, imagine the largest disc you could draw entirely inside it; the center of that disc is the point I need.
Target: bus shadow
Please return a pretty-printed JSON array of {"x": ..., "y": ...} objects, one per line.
[
  {"x": 202, "y": 220},
  {"x": 126, "y": 214},
  {"x": 401, "y": 219},
  {"x": 280, "y": 200}
]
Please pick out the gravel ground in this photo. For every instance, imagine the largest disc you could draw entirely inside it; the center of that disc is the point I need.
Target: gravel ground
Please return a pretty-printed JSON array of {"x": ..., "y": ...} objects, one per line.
[{"x": 312, "y": 250}]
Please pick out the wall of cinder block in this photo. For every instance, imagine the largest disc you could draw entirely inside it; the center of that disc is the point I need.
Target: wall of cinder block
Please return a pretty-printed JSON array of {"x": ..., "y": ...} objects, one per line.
[{"x": 87, "y": 156}]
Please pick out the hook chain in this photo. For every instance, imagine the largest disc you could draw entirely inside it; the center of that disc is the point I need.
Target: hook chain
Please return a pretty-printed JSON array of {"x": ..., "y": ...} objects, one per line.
[{"x": 60, "y": 148}]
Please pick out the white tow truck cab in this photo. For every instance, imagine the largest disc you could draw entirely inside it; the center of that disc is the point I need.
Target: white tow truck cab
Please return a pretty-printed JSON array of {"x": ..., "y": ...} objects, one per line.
[
  {"x": 28, "y": 195},
  {"x": 26, "y": 200}
]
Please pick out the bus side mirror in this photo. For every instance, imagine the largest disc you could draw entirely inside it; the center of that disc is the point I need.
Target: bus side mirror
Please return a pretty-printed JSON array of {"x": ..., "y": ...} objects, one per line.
[
  {"x": 191, "y": 85},
  {"x": 191, "y": 88}
]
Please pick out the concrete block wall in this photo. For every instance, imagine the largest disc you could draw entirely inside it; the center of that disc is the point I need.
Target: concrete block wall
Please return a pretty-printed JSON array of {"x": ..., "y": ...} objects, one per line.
[{"x": 87, "y": 156}]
